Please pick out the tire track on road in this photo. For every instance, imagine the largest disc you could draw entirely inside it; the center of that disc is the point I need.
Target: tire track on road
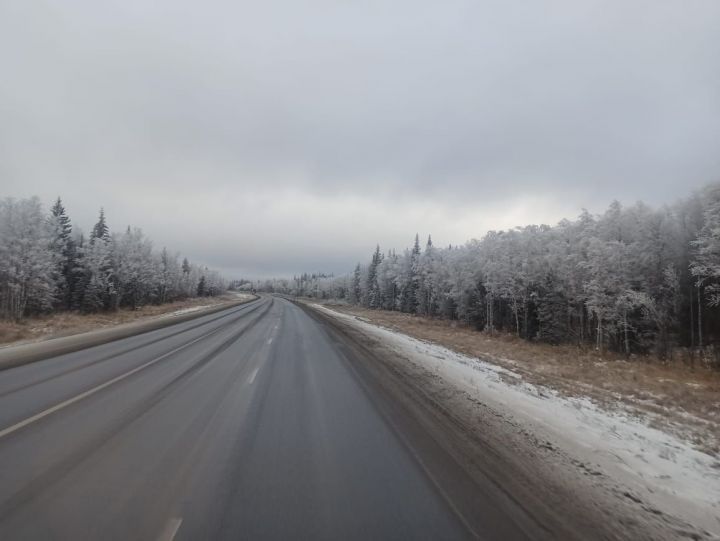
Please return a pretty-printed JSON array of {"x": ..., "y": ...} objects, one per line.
[
  {"x": 39, "y": 486},
  {"x": 137, "y": 347}
]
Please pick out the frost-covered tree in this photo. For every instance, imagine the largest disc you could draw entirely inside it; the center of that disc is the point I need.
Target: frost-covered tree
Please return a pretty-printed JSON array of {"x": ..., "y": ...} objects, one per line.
[
  {"x": 373, "y": 298},
  {"x": 201, "y": 287},
  {"x": 135, "y": 275},
  {"x": 97, "y": 283},
  {"x": 63, "y": 246},
  {"x": 28, "y": 264},
  {"x": 426, "y": 282},
  {"x": 355, "y": 293},
  {"x": 386, "y": 278},
  {"x": 633, "y": 279},
  {"x": 408, "y": 282},
  {"x": 552, "y": 310},
  {"x": 44, "y": 267},
  {"x": 100, "y": 229},
  {"x": 706, "y": 266}
]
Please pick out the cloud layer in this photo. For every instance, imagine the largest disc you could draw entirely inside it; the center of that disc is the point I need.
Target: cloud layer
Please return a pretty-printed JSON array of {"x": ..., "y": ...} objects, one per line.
[{"x": 275, "y": 137}]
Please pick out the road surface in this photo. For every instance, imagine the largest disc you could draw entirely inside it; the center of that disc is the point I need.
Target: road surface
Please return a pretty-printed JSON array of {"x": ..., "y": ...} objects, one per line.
[{"x": 246, "y": 424}]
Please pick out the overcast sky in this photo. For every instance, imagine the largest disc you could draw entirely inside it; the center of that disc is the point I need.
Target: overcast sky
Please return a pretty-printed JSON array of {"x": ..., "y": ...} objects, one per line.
[{"x": 267, "y": 138}]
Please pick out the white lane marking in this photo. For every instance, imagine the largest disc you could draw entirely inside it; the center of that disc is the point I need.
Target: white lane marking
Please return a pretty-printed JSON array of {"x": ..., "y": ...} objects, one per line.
[
  {"x": 269, "y": 341},
  {"x": 69, "y": 401},
  {"x": 171, "y": 529},
  {"x": 252, "y": 376}
]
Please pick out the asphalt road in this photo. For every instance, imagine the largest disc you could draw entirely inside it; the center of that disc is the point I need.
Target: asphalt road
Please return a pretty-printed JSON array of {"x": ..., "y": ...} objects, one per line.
[{"x": 245, "y": 424}]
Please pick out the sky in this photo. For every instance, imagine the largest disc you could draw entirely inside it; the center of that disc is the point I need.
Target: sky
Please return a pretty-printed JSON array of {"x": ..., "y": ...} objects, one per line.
[{"x": 271, "y": 138}]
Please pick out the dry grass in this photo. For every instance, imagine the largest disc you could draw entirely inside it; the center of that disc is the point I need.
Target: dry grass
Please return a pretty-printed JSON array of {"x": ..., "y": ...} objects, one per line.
[
  {"x": 674, "y": 396},
  {"x": 67, "y": 323}
]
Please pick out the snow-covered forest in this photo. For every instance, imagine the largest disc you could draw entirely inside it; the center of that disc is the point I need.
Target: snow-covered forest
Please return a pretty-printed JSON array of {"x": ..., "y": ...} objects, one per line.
[
  {"x": 46, "y": 266},
  {"x": 633, "y": 280}
]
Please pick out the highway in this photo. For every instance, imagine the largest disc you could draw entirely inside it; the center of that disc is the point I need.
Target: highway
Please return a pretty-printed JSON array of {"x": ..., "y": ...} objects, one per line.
[{"x": 249, "y": 423}]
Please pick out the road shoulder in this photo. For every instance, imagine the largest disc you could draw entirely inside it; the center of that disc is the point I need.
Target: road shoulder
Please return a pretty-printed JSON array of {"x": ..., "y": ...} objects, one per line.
[
  {"x": 553, "y": 482},
  {"x": 17, "y": 355}
]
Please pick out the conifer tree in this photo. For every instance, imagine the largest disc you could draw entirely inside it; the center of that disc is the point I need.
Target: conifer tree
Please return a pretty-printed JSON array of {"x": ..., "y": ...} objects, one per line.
[
  {"x": 409, "y": 294},
  {"x": 100, "y": 229},
  {"x": 373, "y": 291},
  {"x": 63, "y": 246},
  {"x": 706, "y": 266},
  {"x": 355, "y": 291}
]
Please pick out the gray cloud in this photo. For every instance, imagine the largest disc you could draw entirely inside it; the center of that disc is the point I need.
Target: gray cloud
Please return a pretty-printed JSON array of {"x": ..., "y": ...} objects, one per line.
[{"x": 281, "y": 136}]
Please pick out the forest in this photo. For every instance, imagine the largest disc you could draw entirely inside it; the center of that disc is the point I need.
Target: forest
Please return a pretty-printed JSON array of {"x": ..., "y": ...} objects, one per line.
[
  {"x": 47, "y": 266},
  {"x": 634, "y": 280}
]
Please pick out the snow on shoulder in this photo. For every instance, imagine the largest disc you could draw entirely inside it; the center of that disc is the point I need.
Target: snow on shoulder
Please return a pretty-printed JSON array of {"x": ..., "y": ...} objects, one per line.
[
  {"x": 187, "y": 310},
  {"x": 668, "y": 473}
]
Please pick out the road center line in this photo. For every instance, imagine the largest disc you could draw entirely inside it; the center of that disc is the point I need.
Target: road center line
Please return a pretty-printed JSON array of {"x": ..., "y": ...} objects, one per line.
[
  {"x": 89, "y": 392},
  {"x": 171, "y": 529}
]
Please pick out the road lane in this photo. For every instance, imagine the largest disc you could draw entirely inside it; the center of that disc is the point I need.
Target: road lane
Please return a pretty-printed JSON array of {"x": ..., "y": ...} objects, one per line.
[
  {"x": 255, "y": 428},
  {"x": 32, "y": 387}
]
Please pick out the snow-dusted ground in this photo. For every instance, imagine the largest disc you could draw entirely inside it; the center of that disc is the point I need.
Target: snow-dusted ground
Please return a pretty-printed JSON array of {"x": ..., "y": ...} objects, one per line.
[
  {"x": 665, "y": 472},
  {"x": 244, "y": 296},
  {"x": 190, "y": 309}
]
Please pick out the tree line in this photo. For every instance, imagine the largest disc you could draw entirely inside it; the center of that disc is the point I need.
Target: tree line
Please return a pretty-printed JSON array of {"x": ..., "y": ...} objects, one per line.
[
  {"x": 633, "y": 279},
  {"x": 46, "y": 266}
]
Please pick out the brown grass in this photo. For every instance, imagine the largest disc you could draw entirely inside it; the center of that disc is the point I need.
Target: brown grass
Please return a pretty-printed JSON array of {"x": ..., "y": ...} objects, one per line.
[
  {"x": 673, "y": 396},
  {"x": 66, "y": 323}
]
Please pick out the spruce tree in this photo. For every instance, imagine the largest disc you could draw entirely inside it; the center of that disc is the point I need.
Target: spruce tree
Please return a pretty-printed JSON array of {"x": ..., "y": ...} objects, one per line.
[
  {"x": 552, "y": 309},
  {"x": 99, "y": 281},
  {"x": 64, "y": 248},
  {"x": 62, "y": 220},
  {"x": 100, "y": 229},
  {"x": 355, "y": 290},
  {"x": 424, "y": 278},
  {"x": 373, "y": 291},
  {"x": 411, "y": 284}
]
